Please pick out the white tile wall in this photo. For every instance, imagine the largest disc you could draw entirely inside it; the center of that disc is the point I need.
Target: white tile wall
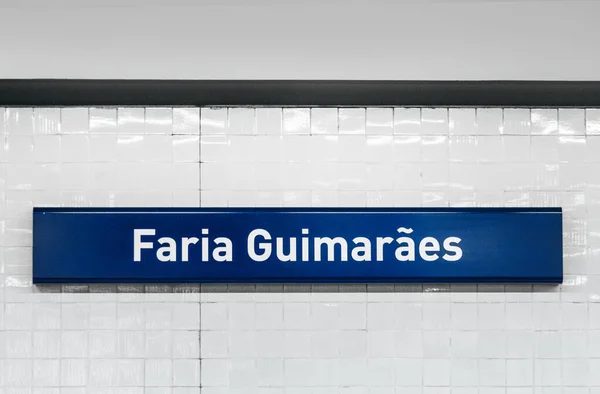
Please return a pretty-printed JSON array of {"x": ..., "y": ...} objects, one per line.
[{"x": 300, "y": 339}]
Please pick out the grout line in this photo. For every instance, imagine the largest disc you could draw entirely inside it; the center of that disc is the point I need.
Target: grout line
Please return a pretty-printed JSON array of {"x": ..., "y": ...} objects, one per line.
[
  {"x": 200, "y": 285},
  {"x": 199, "y": 157},
  {"x": 200, "y": 338}
]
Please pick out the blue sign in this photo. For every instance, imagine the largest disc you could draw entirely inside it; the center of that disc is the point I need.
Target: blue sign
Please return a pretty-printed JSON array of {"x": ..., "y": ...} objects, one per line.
[{"x": 287, "y": 245}]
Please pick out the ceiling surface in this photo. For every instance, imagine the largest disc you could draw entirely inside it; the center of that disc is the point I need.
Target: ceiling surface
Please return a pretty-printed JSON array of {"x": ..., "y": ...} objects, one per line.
[{"x": 310, "y": 39}]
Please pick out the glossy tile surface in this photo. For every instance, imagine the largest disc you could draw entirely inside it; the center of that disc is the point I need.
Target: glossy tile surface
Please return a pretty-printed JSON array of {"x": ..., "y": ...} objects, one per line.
[{"x": 300, "y": 339}]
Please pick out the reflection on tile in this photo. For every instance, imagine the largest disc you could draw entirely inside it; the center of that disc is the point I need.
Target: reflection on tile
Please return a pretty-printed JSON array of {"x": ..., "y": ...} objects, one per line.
[
  {"x": 324, "y": 121},
  {"x": 462, "y": 121},
  {"x": 241, "y": 121},
  {"x": 213, "y": 121},
  {"x": 517, "y": 121},
  {"x": 435, "y": 148},
  {"x": 462, "y": 176},
  {"x": 159, "y": 121},
  {"x": 381, "y": 199},
  {"x": 461, "y": 199},
  {"x": 351, "y": 176},
  {"x": 18, "y": 149},
  {"x": 592, "y": 120},
  {"x": 18, "y": 121},
  {"x": 186, "y": 148},
  {"x": 571, "y": 121},
  {"x": 517, "y": 199},
  {"x": 381, "y": 149},
  {"x": 544, "y": 121},
  {"x": 489, "y": 198},
  {"x": 296, "y": 198},
  {"x": 74, "y": 120},
  {"x": 103, "y": 120},
  {"x": 130, "y": 148},
  {"x": 435, "y": 176},
  {"x": 18, "y": 176},
  {"x": 490, "y": 121},
  {"x": 434, "y": 199},
  {"x": 407, "y": 121},
  {"x": 352, "y": 120},
  {"x": 269, "y": 121},
  {"x": 380, "y": 121},
  {"x": 296, "y": 121},
  {"x": 450, "y": 338},
  {"x": 571, "y": 149},
  {"x": 46, "y": 177},
  {"x": 46, "y": 121},
  {"x": 572, "y": 176},
  {"x": 464, "y": 148},
  {"x": 186, "y": 121},
  {"x": 434, "y": 121},
  {"x": 131, "y": 120}
]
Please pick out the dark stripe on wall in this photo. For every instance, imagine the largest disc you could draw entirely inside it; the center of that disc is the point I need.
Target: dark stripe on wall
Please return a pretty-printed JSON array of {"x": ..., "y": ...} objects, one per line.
[{"x": 304, "y": 93}]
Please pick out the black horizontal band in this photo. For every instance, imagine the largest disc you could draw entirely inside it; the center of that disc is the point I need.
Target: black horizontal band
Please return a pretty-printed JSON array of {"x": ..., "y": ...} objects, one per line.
[{"x": 303, "y": 93}]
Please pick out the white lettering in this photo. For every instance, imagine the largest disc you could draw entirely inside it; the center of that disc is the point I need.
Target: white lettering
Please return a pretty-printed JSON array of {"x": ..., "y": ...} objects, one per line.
[
  {"x": 451, "y": 245},
  {"x": 264, "y": 246},
  {"x": 138, "y": 245},
  {"x": 205, "y": 245},
  {"x": 381, "y": 241},
  {"x": 362, "y": 250},
  {"x": 185, "y": 244},
  {"x": 406, "y": 250},
  {"x": 429, "y": 244},
  {"x": 225, "y": 252},
  {"x": 260, "y": 244},
  {"x": 331, "y": 242},
  {"x": 305, "y": 248},
  {"x": 169, "y": 252},
  {"x": 291, "y": 256}
]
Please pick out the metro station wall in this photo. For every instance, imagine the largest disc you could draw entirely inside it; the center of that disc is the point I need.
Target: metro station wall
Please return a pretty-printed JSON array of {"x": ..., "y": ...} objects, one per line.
[{"x": 300, "y": 339}]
